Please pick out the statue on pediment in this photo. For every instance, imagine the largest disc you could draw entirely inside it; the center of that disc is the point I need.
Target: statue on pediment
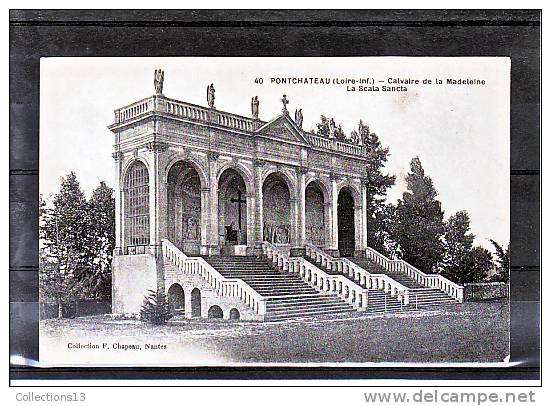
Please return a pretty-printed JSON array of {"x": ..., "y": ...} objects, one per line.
[
  {"x": 255, "y": 107},
  {"x": 332, "y": 128},
  {"x": 210, "y": 95},
  {"x": 298, "y": 117},
  {"x": 158, "y": 80}
]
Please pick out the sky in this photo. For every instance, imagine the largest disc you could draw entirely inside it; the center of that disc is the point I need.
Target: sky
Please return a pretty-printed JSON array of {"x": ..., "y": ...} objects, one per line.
[{"x": 460, "y": 132}]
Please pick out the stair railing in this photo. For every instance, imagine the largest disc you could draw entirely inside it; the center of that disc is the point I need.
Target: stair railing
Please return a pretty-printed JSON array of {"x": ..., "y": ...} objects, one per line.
[
  {"x": 433, "y": 281},
  {"x": 319, "y": 256},
  {"x": 362, "y": 276},
  {"x": 224, "y": 287},
  {"x": 339, "y": 285}
]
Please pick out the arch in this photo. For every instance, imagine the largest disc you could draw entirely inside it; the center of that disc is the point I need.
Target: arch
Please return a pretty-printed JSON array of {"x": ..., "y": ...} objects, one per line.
[
  {"x": 325, "y": 189},
  {"x": 232, "y": 207},
  {"x": 277, "y": 208},
  {"x": 287, "y": 178},
  {"x": 130, "y": 163},
  {"x": 136, "y": 204},
  {"x": 234, "y": 314},
  {"x": 352, "y": 189},
  {"x": 176, "y": 298},
  {"x": 195, "y": 303},
  {"x": 185, "y": 216},
  {"x": 346, "y": 222},
  {"x": 192, "y": 161},
  {"x": 239, "y": 168},
  {"x": 215, "y": 312},
  {"x": 315, "y": 214}
]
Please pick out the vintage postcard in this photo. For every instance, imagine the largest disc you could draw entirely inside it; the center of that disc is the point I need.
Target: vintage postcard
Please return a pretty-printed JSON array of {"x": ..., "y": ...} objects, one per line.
[{"x": 274, "y": 211}]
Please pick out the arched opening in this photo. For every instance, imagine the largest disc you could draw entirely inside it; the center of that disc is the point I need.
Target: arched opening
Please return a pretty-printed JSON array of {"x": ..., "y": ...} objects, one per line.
[
  {"x": 195, "y": 303},
  {"x": 232, "y": 208},
  {"x": 215, "y": 312},
  {"x": 184, "y": 207},
  {"x": 276, "y": 207},
  {"x": 136, "y": 206},
  {"x": 315, "y": 215},
  {"x": 234, "y": 314},
  {"x": 176, "y": 298},
  {"x": 345, "y": 219}
]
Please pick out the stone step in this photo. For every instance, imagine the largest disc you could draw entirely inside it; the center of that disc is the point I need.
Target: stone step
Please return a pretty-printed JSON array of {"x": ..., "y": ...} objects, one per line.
[
  {"x": 311, "y": 297},
  {"x": 313, "y": 313},
  {"x": 307, "y": 307}
]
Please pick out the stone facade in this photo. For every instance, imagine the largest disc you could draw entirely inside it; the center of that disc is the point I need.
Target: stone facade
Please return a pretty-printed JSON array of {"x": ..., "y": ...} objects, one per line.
[{"x": 213, "y": 182}]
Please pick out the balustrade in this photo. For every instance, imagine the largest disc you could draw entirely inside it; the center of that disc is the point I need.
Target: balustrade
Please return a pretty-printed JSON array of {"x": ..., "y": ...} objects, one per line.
[
  {"x": 430, "y": 281},
  {"x": 323, "y": 282},
  {"x": 223, "y": 286}
]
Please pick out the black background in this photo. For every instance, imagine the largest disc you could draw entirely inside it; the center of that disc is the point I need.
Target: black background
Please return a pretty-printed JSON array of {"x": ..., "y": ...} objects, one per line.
[{"x": 36, "y": 34}]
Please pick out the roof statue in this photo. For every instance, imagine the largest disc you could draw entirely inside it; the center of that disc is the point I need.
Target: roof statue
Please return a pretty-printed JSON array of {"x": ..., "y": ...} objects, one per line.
[
  {"x": 298, "y": 117},
  {"x": 158, "y": 81},
  {"x": 285, "y": 102},
  {"x": 254, "y": 107},
  {"x": 210, "y": 95}
]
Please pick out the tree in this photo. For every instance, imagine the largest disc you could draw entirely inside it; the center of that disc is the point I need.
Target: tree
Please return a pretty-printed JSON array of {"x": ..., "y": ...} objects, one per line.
[
  {"x": 503, "y": 260},
  {"x": 65, "y": 227},
  {"x": 100, "y": 211},
  {"x": 155, "y": 309},
  {"x": 457, "y": 243},
  {"x": 380, "y": 214},
  {"x": 78, "y": 236},
  {"x": 474, "y": 266},
  {"x": 418, "y": 227},
  {"x": 56, "y": 285}
]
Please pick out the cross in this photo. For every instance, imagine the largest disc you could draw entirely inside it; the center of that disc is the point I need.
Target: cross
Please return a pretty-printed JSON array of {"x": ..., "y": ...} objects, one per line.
[
  {"x": 239, "y": 201},
  {"x": 285, "y": 102}
]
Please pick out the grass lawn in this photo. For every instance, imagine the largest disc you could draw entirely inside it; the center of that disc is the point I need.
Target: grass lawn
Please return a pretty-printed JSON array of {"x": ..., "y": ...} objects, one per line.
[{"x": 471, "y": 332}]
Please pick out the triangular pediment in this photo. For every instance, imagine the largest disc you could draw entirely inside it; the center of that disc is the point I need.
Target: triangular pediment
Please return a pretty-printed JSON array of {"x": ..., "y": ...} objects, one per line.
[{"x": 283, "y": 127}]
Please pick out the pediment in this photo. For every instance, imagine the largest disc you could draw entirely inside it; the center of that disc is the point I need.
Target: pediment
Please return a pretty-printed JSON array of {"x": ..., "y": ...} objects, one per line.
[{"x": 283, "y": 127}]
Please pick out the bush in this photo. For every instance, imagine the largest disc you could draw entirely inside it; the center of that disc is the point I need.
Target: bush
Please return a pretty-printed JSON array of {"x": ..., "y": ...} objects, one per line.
[{"x": 155, "y": 309}]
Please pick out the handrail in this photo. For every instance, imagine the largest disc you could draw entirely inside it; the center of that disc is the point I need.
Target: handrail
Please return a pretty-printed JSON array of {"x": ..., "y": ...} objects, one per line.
[
  {"x": 434, "y": 281},
  {"x": 225, "y": 287},
  {"x": 328, "y": 143},
  {"x": 339, "y": 285},
  {"x": 357, "y": 273}
]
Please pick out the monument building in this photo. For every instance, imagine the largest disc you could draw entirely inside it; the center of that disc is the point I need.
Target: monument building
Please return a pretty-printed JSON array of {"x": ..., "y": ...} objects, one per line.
[{"x": 238, "y": 217}]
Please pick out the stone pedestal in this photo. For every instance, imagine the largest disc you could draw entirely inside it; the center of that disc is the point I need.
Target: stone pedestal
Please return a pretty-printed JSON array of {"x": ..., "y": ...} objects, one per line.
[{"x": 297, "y": 252}]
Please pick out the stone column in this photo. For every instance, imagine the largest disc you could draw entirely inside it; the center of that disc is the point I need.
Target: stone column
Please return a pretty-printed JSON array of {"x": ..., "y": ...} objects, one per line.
[
  {"x": 293, "y": 206},
  {"x": 358, "y": 228},
  {"x": 334, "y": 244},
  {"x": 205, "y": 224},
  {"x": 157, "y": 196},
  {"x": 259, "y": 220},
  {"x": 119, "y": 203},
  {"x": 251, "y": 215},
  {"x": 213, "y": 244},
  {"x": 364, "y": 215},
  {"x": 302, "y": 206},
  {"x": 327, "y": 223},
  {"x": 298, "y": 248}
]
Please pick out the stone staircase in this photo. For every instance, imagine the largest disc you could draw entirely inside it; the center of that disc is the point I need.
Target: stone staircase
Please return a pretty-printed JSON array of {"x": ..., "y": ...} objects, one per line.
[
  {"x": 378, "y": 301},
  {"x": 420, "y": 296},
  {"x": 288, "y": 295}
]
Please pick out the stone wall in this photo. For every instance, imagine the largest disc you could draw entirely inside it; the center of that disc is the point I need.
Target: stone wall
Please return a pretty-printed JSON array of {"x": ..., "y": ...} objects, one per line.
[
  {"x": 209, "y": 297},
  {"x": 485, "y": 291},
  {"x": 132, "y": 277}
]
